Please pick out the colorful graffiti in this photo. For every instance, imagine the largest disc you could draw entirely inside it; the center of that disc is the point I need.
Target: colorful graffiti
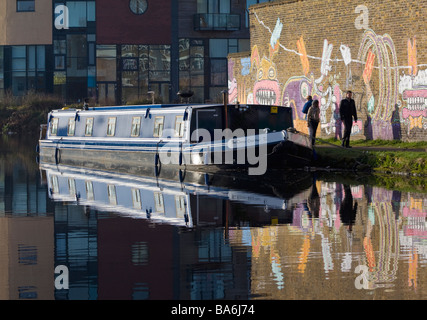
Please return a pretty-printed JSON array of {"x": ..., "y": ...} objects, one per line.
[{"x": 388, "y": 101}]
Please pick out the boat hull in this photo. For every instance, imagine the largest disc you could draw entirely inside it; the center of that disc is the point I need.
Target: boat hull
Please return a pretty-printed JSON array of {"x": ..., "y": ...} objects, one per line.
[{"x": 279, "y": 155}]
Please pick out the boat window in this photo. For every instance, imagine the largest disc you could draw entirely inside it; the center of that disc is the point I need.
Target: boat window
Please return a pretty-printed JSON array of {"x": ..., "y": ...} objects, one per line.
[
  {"x": 54, "y": 126},
  {"x": 158, "y": 202},
  {"x": 112, "y": 194},
  {"x": 179, "y": 126},
  {"x": 89, "y": 190},
  {"x": 89, "y": 127},
  {"x": 136, "y": 126},
  {"x": 158, "y": 126},
  {"x": 71, "y": 126},
  {"x": 111, "y": 128},
  {"x": 136, "y": 198}
]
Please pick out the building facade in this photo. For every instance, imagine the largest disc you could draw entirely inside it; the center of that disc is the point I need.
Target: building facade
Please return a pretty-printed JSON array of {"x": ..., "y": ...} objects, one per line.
[
  {"x": 120, "y": 52},
  {"x": 376, "y": 49}
]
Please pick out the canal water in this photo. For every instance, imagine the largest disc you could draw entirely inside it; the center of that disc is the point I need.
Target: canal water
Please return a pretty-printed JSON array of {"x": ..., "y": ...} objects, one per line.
[{"x": 75, "y": 234}]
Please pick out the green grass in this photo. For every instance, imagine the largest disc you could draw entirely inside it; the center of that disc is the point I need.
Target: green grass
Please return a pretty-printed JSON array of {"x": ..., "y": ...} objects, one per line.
[
  {"x": 384, "y": 161},
  {"x": 395, "y": 144}
]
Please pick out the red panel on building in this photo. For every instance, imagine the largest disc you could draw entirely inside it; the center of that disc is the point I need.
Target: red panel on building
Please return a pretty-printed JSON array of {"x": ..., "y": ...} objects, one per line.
[{"x": 117, "y": 24}]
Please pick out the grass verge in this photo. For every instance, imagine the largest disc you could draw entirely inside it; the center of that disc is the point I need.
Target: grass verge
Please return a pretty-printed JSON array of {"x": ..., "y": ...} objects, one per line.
[{"x": 386, "y": 159}]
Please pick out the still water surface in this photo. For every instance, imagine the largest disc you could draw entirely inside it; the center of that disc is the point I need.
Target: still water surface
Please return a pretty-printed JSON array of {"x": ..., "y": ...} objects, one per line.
[{"x": 130, "y": 237}]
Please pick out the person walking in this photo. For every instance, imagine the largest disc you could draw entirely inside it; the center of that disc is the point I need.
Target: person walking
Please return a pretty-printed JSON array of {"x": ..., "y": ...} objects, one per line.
[
  {"x": 347, "y": 114},
  {"x": 313, "y": 118}
]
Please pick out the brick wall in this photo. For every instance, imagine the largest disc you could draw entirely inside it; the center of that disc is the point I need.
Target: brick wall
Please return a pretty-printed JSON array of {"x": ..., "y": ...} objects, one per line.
[{"x": 377, "y": 49}]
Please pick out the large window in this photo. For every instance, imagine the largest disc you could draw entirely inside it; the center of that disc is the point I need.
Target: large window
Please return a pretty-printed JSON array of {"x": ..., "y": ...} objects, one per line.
[
  {"x": 213, "y": 6},
  {"x": 28, "y": 69},
  {"x": 192, "y": 67},
  {"x": 79, "y": 13},
  {"x": 25, "y": 5},
  {"x": 145, "y": 68}
]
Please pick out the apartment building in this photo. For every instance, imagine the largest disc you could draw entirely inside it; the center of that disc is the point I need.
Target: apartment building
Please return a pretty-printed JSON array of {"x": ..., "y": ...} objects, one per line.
[{"x": 117, "y": 52}]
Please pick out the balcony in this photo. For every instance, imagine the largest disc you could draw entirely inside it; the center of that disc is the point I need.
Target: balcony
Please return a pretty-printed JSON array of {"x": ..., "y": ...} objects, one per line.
[{"x": 216, "y": 22}]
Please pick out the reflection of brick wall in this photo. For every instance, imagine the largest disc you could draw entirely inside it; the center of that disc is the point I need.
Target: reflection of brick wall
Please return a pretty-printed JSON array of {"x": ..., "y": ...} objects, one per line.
[{"x": 324, "y": 48}]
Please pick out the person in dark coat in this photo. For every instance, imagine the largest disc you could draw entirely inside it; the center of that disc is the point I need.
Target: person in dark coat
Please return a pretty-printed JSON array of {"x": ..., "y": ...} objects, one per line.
[
  {"x": 347, "y": 114},
  {"x": 313, "y": 118}
]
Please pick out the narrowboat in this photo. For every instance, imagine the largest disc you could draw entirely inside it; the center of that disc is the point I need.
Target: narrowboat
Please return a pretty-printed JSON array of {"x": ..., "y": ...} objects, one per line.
[
  {"x": 173, "y": 201},
  {"x": 200, "y": 137}
]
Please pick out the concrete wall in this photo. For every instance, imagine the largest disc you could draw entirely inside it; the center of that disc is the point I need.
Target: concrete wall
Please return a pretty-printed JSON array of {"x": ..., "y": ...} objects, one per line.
[
  {"x": 26, "y": 28},
  {"x": 377, "y": 49}
]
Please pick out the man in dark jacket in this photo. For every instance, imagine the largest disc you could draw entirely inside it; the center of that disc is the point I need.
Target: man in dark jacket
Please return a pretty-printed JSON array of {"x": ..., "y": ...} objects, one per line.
[{"x": 347, "y": 113}]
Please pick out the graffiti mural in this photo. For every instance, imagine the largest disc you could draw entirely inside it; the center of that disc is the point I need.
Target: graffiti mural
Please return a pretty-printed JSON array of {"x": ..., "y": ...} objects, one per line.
[{"x": 391, "y": 98}]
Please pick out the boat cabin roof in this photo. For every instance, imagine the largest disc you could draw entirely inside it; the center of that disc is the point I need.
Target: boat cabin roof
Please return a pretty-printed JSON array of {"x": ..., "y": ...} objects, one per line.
[{"x": 141, "y": 107}]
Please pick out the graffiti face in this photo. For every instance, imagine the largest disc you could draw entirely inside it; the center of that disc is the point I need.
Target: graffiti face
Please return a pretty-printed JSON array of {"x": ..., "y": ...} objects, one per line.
[
  {"x": 414, "y": 94},
  {"x": 266, "y": 88}
]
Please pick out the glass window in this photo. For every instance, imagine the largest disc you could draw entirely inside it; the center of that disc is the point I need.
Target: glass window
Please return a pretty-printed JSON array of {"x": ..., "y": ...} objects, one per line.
[
  {"x": 41, "y": 58},
  {"x": 71, "y": 127},
  {"x": 54, "y": 126},
  {"x": 218, "y": 72},
  {"x": 77, "y": 14},
  {"x": 138, "y": 6},
  {"x": 136, "y": 126},
  {"x": 111, "y": 127},
  {"x": 179, "y": 126},
  {"x": 218, "y": 48},
  {"x": 160, "y": 58},
  {"x": 91, "y": 16},
  {"x": 106, "y": 69},
  {"x": 19, "y": 58},
  {"x": 158, "y": 126},
  {"x": 89, "y": 127},
  {"x": 25, "y": 5},
  {"x": 76, "y": 55},
  {"x": 213, "y": 6},
  {"x": 59, "y": 46},
  {"x": 31, "y": 63}
]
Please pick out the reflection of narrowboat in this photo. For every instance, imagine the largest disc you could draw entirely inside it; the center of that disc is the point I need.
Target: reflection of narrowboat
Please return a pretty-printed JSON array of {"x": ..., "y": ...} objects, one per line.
[
  {"x": 172, "y": 201},
  {"x": 216, "y": 136}
]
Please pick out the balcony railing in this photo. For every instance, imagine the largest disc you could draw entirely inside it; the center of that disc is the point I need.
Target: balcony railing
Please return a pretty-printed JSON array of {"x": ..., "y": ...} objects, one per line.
[{"x": 216, "y": 21}]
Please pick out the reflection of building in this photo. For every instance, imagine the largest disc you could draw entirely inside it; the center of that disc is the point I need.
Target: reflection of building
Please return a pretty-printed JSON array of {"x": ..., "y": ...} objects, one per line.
[
  {"x": 26, "y": 266},
  {"x": 26, "y": 236},
  {"x": 117, "y": 51}
]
